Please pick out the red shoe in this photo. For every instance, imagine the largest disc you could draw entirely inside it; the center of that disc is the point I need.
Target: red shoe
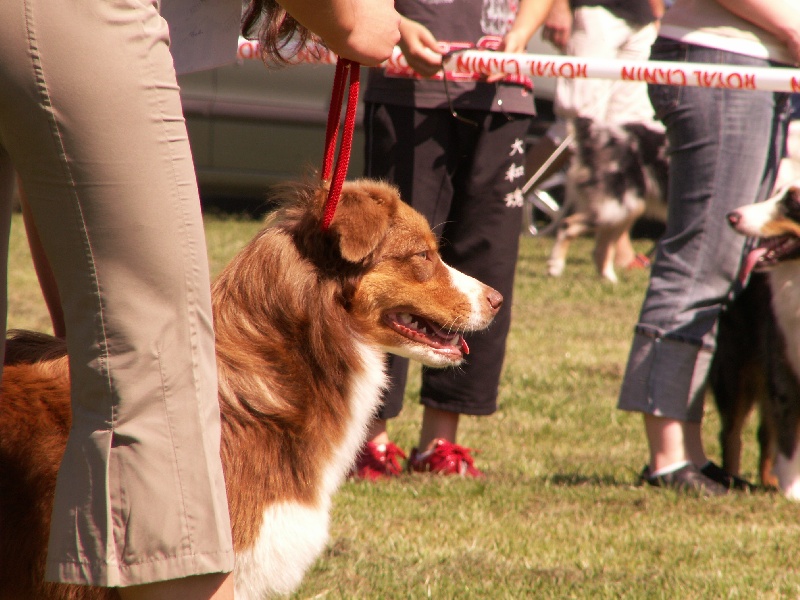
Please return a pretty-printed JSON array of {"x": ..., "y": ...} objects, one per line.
[
  {"x": 378, "y": 461},
  {"x": 444, "y": 457},
  {"x": 640, "y": 261}
]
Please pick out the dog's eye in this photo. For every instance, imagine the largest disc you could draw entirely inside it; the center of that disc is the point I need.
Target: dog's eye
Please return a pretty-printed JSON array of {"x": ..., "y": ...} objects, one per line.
[
  {"x": 792, "y": 203},
  {"x": 424, "y": 255},
  {"x": 793, "y": 198}
]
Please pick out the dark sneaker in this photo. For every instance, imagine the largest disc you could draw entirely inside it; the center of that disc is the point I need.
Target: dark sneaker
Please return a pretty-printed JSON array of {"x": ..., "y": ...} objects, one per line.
[
  {"x": 722, "y": 477},
  {"x": 378, "y": 461},
  {"x": 686, "y": 479},
  {"x": 445, "y": 458}
]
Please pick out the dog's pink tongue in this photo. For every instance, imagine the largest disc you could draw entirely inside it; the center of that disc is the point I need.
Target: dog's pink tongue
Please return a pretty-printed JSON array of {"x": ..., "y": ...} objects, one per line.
[{"x": 750, "y": 262}]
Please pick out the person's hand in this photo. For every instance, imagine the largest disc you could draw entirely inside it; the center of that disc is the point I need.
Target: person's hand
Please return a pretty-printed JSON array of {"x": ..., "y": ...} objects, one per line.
[
  {"x": 365, "y": 31},
  {"x": 375, "y": 31},
  {"x": 516, "y": 42},
  {"x": 792, "y": 42},
  {"x": 780, "y": 17},
  {"x": 557, "y": 27},
  {"x": 420, "y": 48}
]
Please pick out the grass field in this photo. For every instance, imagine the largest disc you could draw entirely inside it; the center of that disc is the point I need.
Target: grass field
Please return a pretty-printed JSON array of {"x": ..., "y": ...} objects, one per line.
[{"x": 559, "y": 514}]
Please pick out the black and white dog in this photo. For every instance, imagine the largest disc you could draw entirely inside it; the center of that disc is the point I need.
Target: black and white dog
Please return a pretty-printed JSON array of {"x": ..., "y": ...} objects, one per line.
[
  {"x": 618, "y": 174},
  {"x": 764, "y": 356}
]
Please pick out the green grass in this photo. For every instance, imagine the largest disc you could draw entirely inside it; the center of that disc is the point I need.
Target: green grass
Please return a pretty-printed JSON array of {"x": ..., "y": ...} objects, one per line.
[{"x": 558, "y": 515}]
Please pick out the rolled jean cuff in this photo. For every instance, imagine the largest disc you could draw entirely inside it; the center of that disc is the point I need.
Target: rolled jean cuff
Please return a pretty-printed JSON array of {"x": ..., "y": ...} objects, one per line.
[{"x": 665, "y": 377}]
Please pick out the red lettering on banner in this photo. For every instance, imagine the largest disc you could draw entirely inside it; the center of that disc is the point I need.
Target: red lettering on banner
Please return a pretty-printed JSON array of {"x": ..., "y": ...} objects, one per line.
[
  {"x": 538, "y": 69},
  {"x": 463, "y": 64},
  {"x": 248, "y": 49},
  {"x": 512, "y": 67},
  {"x": 475, "y": 66},
  {"x": 396, "y": 64},
  {"x": 483, "y": 66},
  {"x": 549, "y": 68},
  {"x": 734, "y": 81},
  {"x": 678, "y": 76},
  {"x": 795, "y": 84},
  {"x": 656, "y": 76}
]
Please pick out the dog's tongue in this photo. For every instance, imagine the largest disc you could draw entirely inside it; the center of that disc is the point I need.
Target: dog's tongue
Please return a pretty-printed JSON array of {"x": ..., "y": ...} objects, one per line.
[
  {"x": 750, "y": 262},
  {"x": 464, "y": 347}
]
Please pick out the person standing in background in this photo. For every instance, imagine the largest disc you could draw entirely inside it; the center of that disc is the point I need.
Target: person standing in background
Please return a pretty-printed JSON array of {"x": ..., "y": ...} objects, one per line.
[
  {"x": 613, "y": 29},
  {"x": 725, "y": 147},
  {"x": 91, "y": 120},
  {"x": 455, "y": 148}
]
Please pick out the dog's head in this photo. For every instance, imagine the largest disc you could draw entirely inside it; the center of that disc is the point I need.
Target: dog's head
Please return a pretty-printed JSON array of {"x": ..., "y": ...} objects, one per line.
[
  {"x": 411, "y": 302},
  {"x": 776, "y": 222},
  {"x": 392, "y": 279}
]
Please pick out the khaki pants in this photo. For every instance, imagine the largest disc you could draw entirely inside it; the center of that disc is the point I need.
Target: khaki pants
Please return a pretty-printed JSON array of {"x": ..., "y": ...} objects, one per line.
[{"x": 90, "y": 117}]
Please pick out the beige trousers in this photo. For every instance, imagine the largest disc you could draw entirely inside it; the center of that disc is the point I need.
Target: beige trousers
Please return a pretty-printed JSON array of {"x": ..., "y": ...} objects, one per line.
[{"x": 90, "y": 117}]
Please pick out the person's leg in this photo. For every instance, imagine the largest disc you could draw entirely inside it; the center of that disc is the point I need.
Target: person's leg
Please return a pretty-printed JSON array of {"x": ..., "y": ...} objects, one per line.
[
  {"x": 400, "y": 146},
  {"x": 672, "y": 441},
  {"x": 595, "y": 33},
  {"x": 105, "y": 162},
  {"x": 699, "y": 255},
  {"x": 44, "y": 273},
  {"x": 217, "y": 586},
  {"x": 388, "y": 148},
  {"x": 629, "y": 102},
  {"x": 7, "y": 178},
  {"x": 599, "y": 33},
  {"x": 480, "y": 238},
  {"x": 437, "y": 424}
]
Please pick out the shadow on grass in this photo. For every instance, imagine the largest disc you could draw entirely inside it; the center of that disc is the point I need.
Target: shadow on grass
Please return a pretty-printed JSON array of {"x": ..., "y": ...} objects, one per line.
[{"x": 581, "y": 480}]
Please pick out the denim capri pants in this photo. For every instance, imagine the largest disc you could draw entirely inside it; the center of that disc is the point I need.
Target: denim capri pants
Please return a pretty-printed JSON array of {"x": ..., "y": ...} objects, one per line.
[{"x": 725, "y": 147}]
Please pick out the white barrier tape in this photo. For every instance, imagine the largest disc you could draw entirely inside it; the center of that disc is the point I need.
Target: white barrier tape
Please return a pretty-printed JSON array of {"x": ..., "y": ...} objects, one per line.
[
  {"x": 478, "y": 63},
  {"x": 739, "y": 77}
]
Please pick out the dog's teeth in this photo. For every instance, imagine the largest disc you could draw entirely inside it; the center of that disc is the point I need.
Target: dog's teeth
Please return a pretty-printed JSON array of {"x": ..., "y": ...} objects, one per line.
[{"x": 405, "y": 318}]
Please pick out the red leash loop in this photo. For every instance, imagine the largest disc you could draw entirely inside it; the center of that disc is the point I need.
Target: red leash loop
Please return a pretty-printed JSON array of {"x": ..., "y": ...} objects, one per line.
[{"x": 332, "y": 132}]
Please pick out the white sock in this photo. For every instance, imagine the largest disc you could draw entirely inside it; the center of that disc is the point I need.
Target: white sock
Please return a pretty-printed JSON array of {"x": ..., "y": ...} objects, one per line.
[{"x": 670, "y": 469}]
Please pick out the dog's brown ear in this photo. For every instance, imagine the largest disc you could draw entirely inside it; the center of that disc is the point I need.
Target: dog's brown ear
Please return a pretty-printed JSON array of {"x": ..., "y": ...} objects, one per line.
[{"x": 362, "y": 218}]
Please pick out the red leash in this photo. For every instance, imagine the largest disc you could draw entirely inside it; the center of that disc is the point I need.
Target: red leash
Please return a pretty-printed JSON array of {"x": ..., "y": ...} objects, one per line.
[{"x": 332, "y": 133}]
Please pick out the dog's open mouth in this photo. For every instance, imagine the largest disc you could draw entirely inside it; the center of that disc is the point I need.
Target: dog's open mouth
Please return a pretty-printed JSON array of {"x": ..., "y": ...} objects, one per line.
[
  {"x": 769, "y": 252},
  {"x": 424, "y": 331}
]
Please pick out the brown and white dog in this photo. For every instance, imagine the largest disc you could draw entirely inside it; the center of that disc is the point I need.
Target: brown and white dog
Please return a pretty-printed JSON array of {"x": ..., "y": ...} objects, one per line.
[
  {"x": 618, "y": 174},
  {"x": 303, "y": 320},
  {"x": 772, "y": 350}
]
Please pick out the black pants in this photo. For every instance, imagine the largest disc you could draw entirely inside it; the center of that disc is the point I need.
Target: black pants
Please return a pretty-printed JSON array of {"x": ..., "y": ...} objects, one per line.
[{"x": 465, "y": 178}]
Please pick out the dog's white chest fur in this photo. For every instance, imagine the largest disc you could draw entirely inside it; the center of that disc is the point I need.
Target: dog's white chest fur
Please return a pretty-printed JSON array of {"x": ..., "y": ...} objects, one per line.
[
  {"x": 785, "y": 286},
  {"x": 292, "y": 534}
]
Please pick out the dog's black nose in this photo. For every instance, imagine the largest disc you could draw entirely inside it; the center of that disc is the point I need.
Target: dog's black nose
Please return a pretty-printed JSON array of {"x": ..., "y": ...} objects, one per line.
[{"x": 734, "y": 218}]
